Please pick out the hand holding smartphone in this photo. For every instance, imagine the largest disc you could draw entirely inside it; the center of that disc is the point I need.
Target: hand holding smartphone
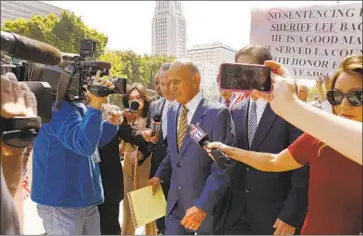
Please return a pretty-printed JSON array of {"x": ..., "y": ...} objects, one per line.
[{"x": 244, "y": 77}]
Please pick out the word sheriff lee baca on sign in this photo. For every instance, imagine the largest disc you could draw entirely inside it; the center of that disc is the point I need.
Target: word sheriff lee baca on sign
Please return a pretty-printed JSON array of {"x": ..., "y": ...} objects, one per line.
[{"x": 310, "y": 41}]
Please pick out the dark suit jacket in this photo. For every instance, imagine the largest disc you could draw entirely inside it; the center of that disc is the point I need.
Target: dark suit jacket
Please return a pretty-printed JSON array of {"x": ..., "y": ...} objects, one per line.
[
  {"x": 266, "y": 195},
  {"x": 110, "y": 165},
  {"x": 158, "y": 150},
  {"x": 195, "y": 180}
]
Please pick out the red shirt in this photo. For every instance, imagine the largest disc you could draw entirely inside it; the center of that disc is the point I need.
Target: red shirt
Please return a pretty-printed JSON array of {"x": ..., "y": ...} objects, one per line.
[{"x": 335, "y": 189}]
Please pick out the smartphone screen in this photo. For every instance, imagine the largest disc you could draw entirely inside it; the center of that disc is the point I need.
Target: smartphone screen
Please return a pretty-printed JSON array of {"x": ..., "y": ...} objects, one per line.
[{"x": 244, "y": 77}]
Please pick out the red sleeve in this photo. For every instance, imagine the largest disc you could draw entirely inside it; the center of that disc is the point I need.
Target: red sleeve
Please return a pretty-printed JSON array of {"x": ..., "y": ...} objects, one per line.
[{"x": 303, "y": 148}]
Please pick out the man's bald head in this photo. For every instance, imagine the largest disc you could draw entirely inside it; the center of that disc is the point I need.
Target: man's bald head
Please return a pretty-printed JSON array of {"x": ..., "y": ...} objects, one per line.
[
  {"x": 185, "y": 80},
  {"x": 187, "y": 64}
]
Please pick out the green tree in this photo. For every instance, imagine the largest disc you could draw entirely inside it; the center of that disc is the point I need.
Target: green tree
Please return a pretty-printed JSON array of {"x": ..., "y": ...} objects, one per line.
[
  {"x": 134, "y": 67},
  {"x": 117, "y": 65},
  {"x": 65, "y": 33},
  {"x": 150, "y": 66}
]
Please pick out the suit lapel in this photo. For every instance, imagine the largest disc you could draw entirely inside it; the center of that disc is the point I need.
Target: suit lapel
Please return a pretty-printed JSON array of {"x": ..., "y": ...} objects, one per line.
[
  {"x": 172, "y": 128},
  {"x": 160, "y": 112},
  {"x": 263, "y": 128},
  {"x": 197, "y": 119},
  {"x": 244, "y": 124}
]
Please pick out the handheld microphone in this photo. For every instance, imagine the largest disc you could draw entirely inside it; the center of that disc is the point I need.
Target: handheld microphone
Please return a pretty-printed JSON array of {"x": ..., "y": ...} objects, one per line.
[
  {"x": 155, "y": 129},
  {"x": 200, "y": 137},
  {"x": 134, "y": 106},
  {"x": 29, "y": 49},
  {"x": 155, "y": 125}
]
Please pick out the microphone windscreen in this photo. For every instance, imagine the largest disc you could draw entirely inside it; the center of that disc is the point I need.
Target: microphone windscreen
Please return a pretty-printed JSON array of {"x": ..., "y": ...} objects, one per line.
[
  {"x": 101, "y": 64},
  {"x": 134, "y": 106},
  {"x": 30, "y": 50},
  {"x": 68, "y": 56}
]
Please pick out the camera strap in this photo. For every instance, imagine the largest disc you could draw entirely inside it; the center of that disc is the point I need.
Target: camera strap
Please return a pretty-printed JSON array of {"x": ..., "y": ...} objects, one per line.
[
  {"x": 63, "y": 84},
  {"x": 35, "y": 71}
]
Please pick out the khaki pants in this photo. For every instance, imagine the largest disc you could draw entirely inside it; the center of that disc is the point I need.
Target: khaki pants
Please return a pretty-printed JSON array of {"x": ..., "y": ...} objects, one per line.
[{"x": 131, "y": 179}]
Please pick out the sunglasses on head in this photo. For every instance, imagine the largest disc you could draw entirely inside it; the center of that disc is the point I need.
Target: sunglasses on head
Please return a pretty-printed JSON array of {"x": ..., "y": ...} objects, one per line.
[{"x": 336, "y": 97}]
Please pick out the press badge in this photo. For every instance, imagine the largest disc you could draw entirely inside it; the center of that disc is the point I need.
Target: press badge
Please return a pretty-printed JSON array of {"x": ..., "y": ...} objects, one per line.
[{"x": 96, "y": 156}]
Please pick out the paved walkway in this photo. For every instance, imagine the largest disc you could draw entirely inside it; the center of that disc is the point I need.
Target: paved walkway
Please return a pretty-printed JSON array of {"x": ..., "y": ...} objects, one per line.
[{"x": 33, "y": 224}]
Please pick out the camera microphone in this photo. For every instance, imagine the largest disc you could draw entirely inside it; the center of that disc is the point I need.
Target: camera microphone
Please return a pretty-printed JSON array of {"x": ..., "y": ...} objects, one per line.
[
  {"x": 155, "y": 125},
  {"x": 200, "y": 137},
  {"x": 29, "y": 49},
  {"x": 134, "y": 106},
  {"x": 155, "y": 129}
]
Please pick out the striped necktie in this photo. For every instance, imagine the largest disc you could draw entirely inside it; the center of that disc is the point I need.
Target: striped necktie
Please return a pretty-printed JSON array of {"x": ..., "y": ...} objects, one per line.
[
  {"x": 182, "y": 126},
  {"x": 252, "y": 122}
]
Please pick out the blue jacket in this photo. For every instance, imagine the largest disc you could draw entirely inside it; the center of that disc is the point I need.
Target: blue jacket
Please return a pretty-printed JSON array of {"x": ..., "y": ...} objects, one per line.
[{"x": 64, "y": 172}]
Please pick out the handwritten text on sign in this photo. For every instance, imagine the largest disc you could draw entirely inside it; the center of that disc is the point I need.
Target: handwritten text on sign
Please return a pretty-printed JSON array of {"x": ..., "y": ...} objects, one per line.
[{"x": 312, "y": 40}]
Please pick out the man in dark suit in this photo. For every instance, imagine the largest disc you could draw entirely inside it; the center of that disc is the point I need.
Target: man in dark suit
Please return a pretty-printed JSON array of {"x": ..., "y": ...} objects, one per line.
[
  {"x": 264, "y": 203},
  {"x": 159, "y": 145},
  {"x": 197, "y": 185}
]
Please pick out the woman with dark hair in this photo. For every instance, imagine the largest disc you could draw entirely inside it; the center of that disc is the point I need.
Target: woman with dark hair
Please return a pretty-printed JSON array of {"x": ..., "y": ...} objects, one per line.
[
  {"x": 335, "y": 184},
  {"x": 136, "y": 175}
]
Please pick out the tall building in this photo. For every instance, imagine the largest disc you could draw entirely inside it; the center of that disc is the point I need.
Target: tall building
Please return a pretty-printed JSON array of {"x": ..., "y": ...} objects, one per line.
[
  {"x": 169, "y": 30},
  {"x": 213, "y": 53},
  {"x": 209, "y": 57},
  {"x": 11, "y": 10}
]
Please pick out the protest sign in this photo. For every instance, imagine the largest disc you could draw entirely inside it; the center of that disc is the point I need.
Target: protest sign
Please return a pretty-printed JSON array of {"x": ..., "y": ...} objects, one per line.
[{"x": 309, "y": 41}]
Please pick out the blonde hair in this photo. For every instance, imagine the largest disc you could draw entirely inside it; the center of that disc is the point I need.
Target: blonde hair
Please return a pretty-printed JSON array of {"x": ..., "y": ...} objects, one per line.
[{"x": 351, "y": 64}]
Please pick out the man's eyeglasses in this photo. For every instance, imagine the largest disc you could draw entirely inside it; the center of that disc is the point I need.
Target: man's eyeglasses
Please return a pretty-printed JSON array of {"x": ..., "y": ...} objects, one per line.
[{"x": 336, "y": 97}]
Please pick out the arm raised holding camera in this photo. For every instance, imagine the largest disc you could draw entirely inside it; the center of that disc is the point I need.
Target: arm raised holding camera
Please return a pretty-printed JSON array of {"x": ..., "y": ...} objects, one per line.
[{"x": 82, "y": 134}]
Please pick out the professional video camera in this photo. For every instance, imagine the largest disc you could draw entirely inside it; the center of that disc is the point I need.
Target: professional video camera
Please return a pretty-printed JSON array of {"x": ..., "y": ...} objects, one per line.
[
  {"x": 20, "y": 131},
  {"x": 70, "y": 79}
]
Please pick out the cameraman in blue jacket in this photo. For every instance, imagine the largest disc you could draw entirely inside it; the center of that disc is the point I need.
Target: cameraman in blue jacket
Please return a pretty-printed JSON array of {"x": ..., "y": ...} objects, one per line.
[{"x": 67, "y": 184}]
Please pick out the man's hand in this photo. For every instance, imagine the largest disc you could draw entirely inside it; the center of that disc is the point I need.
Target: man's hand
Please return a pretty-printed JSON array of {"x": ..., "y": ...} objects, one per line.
[
  {"x": 16, "y": 98},
  {"x": 147, "y": 135},
  {"x": 129, "y": 116},
  {"x": 154, "y": 182},
  {"x": 193, "y": 218},
  {"x": 96, "y": 102},
  {"x": 282, "y": 228},
  {"x": 115, "y": 117}
]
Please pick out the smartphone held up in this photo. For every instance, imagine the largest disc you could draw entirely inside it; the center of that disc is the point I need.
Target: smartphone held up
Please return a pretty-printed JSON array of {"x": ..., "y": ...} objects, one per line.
[{"x": 244, "y": 77}]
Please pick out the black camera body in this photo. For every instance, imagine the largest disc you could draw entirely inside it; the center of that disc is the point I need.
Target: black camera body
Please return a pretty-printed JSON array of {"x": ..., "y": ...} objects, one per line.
[
  {"x": 88, "y": 48},
  {"x": 72, "y": 81}
]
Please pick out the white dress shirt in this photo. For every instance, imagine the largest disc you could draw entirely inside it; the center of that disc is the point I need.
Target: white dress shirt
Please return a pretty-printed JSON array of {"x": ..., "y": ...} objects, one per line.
[
  {"x": 192, "y": 106},
  {"x": 260, "y": 108},
  {"x": 231, "y": 99},
  {"x": 164, "y": 118}
]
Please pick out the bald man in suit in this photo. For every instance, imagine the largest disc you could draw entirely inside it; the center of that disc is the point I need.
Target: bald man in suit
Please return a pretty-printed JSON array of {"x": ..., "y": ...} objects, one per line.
[{"x": 197, "y": 185}]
